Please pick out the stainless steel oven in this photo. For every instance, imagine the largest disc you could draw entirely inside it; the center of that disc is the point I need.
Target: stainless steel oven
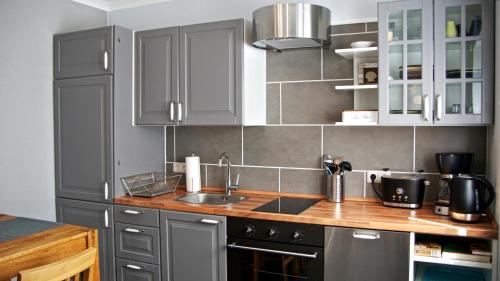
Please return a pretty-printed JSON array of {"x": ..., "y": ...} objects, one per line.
[{"x": 261, "y": 250}]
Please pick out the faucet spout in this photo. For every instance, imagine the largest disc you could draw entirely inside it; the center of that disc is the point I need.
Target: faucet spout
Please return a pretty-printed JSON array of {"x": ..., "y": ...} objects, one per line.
[{"x": 229, "y": 185}]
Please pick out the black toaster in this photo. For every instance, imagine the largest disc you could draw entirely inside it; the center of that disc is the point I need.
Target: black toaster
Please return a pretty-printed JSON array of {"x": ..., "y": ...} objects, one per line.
[{"x": 403, "y": 191}]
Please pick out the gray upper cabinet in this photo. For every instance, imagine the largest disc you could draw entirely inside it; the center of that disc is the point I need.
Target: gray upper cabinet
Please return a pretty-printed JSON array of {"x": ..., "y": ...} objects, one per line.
[
  {"x": 211, "y": 73},
  {"x": 434, "y": 66},
  {"x": 156, "y": 81},
  {"x": 464, "y": 40},
  {"x": 405, "y": 62},
  {"x": 193, "y": 247},
  {"x": 83, "y": 53},
  {"x": 93, "y": 215},
  {"x": 83, "y": 138}
]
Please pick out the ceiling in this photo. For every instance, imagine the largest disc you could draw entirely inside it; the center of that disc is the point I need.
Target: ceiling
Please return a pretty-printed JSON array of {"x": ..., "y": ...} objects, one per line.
[{"x": 111, "y": 5}]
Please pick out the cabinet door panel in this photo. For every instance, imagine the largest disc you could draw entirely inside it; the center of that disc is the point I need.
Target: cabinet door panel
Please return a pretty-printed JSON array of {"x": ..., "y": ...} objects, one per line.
[
  {"x": 83, "y": 138},
  {"x": 138, "y": 243},
  {"x": 93, "y": 215},
  {"x": 83, "y": 53},
  {"x": 211, "y": 72},
  {"x": 136, "y": 271},
  {"x": 190, "y": 242},
  {"x": 156, "y": 71}
]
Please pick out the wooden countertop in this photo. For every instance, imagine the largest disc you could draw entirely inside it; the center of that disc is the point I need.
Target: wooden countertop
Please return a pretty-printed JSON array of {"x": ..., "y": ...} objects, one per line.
[{"x": 350, "y": 213}]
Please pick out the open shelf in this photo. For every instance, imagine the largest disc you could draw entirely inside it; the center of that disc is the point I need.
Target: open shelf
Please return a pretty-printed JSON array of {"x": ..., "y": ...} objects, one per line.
[
  {"x": 356, "y": 87},
  {"x": 452, "y": 262},
  {"x": 356, "y": 123},
  {"x": 357, "y": 52}
]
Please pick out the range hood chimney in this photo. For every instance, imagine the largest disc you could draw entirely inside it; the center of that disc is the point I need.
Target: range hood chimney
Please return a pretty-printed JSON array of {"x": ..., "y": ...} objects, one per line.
[{"x": 291, "y": 25}]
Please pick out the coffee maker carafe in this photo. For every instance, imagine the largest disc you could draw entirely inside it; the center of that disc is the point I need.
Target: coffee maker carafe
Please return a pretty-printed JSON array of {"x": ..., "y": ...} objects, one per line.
[{"x": 450, "y": 165}]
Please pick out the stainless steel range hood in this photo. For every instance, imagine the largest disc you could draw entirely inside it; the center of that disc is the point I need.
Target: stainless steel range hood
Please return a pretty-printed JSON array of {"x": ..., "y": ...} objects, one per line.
[{"x": 291, "y": 25}]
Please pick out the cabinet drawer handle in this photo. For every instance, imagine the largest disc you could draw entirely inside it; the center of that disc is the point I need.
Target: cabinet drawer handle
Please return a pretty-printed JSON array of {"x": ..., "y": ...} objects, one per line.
[
  {"x": 106, "y": 219},
  {"x": 179, "y": 111},
  {"x": 426, "y": 108},
  {"x": 172, "y": 113},
  {"x": 209, "y": 221},
  {"x": 106, "y": 191},
  {"x": 134, "y": 267},
  {"x": 439, "y": 108},
  {"x": 133, "y": 230},
  {"x": 132, "y": 212},
  {"x": 105, "y": 59},
  {"x": 366, "y": 234}
]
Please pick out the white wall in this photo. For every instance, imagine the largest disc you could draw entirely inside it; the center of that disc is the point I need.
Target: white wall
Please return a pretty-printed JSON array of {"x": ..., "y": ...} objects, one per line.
[
  {"x": 26, "y": 130},
  {"x": 181, "y": 12}
]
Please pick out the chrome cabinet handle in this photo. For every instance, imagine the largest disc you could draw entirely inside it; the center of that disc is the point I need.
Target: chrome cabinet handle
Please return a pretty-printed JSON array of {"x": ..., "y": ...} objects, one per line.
[
  {"x": 439, "y": 109},
  {"x": 172, "y": 111},
  {"x": 365, "y": 234},
  {"x": 105, "y": 60},
  {"x": 134, "y": 267},
  {"x": 132, "y": 212},
  {"x": 133, "y": 230},
  {"x": 295, "y": 254},
  {"x": 209, "y": 221},
  {"x": 426, "y": 108},
  {"x": 106, "y": 190},
  {"x": 106, "y": 218},
  {"x": 179, "y": 111}
]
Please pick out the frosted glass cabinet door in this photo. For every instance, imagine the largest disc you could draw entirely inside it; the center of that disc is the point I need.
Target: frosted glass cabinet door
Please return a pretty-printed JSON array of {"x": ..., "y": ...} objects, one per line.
[
  {"x": 405, "y": 62},
  {"x": 463, "y": 61}
]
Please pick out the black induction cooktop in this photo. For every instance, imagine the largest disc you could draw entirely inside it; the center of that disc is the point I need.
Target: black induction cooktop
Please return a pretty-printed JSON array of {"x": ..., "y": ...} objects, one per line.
[{"x": 287, "y": 205}]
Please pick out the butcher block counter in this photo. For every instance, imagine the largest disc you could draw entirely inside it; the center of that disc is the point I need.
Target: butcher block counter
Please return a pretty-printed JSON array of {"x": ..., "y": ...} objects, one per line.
[{"x": 351, "y": 213}]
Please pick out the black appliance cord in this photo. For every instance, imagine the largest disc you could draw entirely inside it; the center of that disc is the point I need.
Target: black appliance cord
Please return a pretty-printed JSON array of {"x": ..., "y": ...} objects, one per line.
[{"x": 375, "y": 189}]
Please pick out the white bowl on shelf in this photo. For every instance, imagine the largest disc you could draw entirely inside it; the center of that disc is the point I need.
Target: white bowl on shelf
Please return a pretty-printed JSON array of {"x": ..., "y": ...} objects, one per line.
[{"x": 362, "y": 44}]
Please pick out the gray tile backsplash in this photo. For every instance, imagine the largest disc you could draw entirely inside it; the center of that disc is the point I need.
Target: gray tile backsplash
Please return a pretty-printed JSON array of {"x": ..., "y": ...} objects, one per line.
[{"x": 286, "y": 154}]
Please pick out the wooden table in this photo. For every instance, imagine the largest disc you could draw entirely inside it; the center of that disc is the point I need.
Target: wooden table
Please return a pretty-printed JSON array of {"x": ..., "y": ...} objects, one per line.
[{"x": 44, "y": 247}]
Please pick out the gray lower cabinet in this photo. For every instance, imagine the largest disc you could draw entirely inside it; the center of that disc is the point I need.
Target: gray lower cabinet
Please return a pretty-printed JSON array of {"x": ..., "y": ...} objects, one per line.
[
  {"x": 93, "y": 215},
  {"x": 83, "y": 110},
  {"x": 127, "y": 270},
  {"x": 360, "y": 254},
  {"x": 193, "y": 247},
  {"x": 156, "y": 71},
  {"x": 211, "y": 73},
  {"x": 83, "y": 53}
]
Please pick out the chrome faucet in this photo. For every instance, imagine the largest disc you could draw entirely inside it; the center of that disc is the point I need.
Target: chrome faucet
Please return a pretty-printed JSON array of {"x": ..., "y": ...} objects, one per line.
[{"x": 229, "y": 185}]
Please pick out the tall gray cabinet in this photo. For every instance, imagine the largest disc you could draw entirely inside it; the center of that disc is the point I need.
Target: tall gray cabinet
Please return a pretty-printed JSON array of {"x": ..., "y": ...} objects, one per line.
[
  {"x": 95, "y": 142},
  {"x": 193, "y": 247},
  {"x": 435, "y": 64},
  {"x": 202, "y": 74}
]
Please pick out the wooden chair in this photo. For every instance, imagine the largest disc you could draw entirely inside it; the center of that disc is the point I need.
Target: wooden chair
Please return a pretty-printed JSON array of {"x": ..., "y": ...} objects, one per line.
[{"x": 78, "y": 268}]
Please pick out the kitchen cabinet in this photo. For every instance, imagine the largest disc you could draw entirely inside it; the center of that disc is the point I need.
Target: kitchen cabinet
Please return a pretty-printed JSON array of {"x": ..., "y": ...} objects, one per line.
[
  {"x": 222, "y": 78},
  {"x": 136, "y": 271},
  {"x": 354, "y": 254},
  {"x": 138, "y": 243},
  {"x": 156, "y": 76},
  {"x": 434, "y": 66},
  {"x": 84, "y": 53},
  {"x": 83, "y": 138},
  {"x": 193, "y": 247},
  {"x": 93, "y": 215}
]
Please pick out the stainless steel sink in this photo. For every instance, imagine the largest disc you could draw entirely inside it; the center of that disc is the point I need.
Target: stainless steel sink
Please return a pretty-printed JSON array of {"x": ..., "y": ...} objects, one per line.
[{"x": 211, "y": 198}]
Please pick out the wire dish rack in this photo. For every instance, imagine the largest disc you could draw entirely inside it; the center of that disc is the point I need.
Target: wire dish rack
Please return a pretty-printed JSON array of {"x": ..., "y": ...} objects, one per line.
[{"x": 150, "y": 184}]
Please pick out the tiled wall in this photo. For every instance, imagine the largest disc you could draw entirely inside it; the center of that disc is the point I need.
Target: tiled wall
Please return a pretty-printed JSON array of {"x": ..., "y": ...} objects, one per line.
[{"x": 302, "y": 106}]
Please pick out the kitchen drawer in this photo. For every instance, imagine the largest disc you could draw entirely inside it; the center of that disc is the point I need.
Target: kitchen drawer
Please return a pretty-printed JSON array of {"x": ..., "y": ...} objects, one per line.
[
  {"x": 136, "y": 215},
  {"x": 136, "y": 271},
  {"x": 137, "y": 243}
]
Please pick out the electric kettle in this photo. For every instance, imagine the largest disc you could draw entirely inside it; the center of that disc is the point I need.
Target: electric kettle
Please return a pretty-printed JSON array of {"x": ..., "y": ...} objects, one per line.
[{"x": 467, "y": 197}]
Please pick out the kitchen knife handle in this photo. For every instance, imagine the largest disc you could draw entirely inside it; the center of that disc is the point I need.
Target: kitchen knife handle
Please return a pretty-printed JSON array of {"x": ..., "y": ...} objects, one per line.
[{"x": 105, "y": 60}]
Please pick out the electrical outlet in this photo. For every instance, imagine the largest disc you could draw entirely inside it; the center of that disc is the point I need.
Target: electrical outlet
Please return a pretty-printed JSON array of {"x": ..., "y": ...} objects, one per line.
[
  {"x": 179, "y": 167},
  {"x": 379, "y": 174}
]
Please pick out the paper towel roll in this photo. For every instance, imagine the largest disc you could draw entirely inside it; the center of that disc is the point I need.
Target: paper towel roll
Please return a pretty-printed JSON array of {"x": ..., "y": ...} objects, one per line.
[{"x": 193, "y": 177}]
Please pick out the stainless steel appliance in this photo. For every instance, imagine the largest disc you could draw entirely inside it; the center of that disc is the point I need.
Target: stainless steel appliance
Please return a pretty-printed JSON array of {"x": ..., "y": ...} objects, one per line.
[
  {"x": 467, "y": 197},
  {"x": 291, "y": 25},
  {"x": 450, "y": 164},
  {"x": 402, "y": 191},
  {"x": 335, "y": 170},
  {"x": 262, "y": 250}
]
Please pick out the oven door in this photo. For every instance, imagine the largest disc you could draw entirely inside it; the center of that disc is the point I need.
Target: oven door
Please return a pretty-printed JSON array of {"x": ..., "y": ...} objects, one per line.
[{"x": 252, "y": 260}]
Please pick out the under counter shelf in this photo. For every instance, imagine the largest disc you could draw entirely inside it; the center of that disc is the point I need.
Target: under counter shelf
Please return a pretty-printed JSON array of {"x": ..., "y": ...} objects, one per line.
[
  {"x": 356, "y": 87},
  {"x": 357, "y": 52},
  {"x": 474, "y": 264}
]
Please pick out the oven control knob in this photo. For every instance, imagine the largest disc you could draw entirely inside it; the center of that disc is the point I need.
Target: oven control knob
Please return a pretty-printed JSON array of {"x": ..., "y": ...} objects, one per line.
[
  {"x": 297, "y": 236},
  {"x": 249, "y": 230},
  {"x": 273, "y": 232}
]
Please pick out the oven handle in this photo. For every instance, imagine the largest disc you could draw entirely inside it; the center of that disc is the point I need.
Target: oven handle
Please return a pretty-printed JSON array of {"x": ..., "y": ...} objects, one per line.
[{"x": 311, "y": 256}]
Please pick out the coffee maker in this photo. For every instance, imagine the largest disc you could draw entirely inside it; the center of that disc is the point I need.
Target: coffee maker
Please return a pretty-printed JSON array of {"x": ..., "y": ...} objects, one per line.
[{"x": 450, "y": 165}]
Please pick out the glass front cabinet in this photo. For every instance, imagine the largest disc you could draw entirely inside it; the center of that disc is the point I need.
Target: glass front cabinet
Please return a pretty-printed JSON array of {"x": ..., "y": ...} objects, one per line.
[{"x": 436, "y": 62}]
